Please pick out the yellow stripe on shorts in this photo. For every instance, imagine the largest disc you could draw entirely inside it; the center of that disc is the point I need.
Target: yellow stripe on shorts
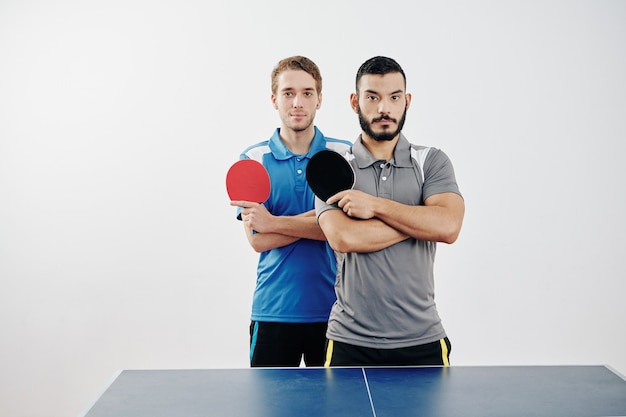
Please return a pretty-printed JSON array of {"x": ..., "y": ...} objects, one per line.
[
  {"x": 329, "y": 353},
  {"x": 444, "y": 352}
]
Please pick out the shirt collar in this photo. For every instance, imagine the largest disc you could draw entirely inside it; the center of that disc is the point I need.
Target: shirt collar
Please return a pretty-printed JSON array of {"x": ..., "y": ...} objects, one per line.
[
  {"x": 401, "y": 153},
  {"x": 281, "y": 152}
]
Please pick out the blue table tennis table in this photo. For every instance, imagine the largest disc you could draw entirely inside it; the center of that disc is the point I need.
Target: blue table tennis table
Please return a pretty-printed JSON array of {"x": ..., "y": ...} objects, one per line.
[{"x": 528, "y": 391}]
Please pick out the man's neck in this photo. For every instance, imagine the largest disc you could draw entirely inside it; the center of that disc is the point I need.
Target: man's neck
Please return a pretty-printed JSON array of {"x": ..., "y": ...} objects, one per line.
[
  {"x": 383, "y": 149},
  {"x": 298, "y": 142}
]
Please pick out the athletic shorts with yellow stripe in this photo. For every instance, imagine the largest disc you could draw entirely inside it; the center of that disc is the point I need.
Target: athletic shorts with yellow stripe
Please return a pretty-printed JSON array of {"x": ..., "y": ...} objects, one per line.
[{"x": 430, "y": 354}]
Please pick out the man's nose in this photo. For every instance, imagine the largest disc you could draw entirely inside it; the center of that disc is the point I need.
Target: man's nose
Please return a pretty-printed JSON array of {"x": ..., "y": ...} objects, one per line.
[
  {"x": 384, "y": 106},
  {"x": 297, "y": 101}
]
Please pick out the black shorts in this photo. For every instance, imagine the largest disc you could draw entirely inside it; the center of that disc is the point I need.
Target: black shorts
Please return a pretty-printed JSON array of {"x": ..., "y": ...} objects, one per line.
[
  {"x": 286, "y": 344},
  {"x": 429, "y": 354}
]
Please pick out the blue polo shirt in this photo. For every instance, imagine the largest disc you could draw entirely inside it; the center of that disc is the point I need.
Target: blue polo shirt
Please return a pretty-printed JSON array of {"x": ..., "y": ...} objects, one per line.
[{"x": 295, "y": 283}]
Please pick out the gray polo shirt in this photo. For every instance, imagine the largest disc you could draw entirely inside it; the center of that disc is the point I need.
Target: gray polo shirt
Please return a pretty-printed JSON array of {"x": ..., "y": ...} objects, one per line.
[{"x": 386, "y": 299}]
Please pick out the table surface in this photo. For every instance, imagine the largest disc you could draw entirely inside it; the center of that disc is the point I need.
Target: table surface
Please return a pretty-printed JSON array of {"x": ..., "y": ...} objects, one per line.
[{"x": 379, "y": 392}]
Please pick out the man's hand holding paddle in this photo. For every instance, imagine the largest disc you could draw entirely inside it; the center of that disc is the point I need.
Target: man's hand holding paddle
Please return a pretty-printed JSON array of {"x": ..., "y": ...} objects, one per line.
[
  {"x": 254, "y": 215},
  {"x": 355, "y": 203}
]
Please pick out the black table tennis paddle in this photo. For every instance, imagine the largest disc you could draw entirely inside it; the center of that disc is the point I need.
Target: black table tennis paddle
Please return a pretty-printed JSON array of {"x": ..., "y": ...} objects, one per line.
[{"x": 328, "y": 173}]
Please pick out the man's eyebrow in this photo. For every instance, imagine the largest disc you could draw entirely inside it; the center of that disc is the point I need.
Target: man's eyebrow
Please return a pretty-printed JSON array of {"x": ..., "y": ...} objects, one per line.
[
  {"x": 392, "y": 93},
  {"x": 293, "y": 89}
]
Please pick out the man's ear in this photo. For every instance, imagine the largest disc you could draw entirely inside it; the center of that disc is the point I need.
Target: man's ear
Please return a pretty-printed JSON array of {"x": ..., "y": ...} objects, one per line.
[{"x": 354, "y": 102}]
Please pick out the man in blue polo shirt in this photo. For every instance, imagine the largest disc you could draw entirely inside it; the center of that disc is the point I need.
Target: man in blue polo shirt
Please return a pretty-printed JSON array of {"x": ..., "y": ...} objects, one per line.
[{"x": 296, "y": 271}]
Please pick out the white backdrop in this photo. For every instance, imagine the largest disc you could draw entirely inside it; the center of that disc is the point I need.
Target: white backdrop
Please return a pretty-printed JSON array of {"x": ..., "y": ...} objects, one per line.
[{"x": 119, "y": 119}]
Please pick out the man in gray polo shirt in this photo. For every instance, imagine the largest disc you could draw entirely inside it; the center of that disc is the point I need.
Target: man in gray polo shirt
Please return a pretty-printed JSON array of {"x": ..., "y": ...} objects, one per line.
[{"x": 384, "y": 232}]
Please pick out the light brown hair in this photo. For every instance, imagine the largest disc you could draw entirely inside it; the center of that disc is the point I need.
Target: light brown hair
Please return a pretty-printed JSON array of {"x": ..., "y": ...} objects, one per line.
[{"x": 299, "y": 63}]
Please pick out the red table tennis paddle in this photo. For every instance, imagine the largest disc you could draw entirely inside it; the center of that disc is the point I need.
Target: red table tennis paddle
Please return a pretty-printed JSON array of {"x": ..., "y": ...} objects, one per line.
[
  {"x": 248, "y": 180},
  {"x": 329, "y": 173}
]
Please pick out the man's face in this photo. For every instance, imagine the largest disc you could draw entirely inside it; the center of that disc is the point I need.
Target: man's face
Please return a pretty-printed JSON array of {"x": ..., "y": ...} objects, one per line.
[
  {"x": 381, "y": 105},
  {"x": 296, "y": 99}
]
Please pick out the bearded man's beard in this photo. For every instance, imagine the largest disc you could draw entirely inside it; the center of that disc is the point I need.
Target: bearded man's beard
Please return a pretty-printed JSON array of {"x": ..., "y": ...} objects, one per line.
[{"x": 381, "y": 136}]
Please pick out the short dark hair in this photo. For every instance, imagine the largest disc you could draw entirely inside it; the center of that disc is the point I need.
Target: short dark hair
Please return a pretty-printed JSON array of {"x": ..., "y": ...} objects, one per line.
[
  {"x": 378, "y": 65},
  {"x": 300, "y": 63}
]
